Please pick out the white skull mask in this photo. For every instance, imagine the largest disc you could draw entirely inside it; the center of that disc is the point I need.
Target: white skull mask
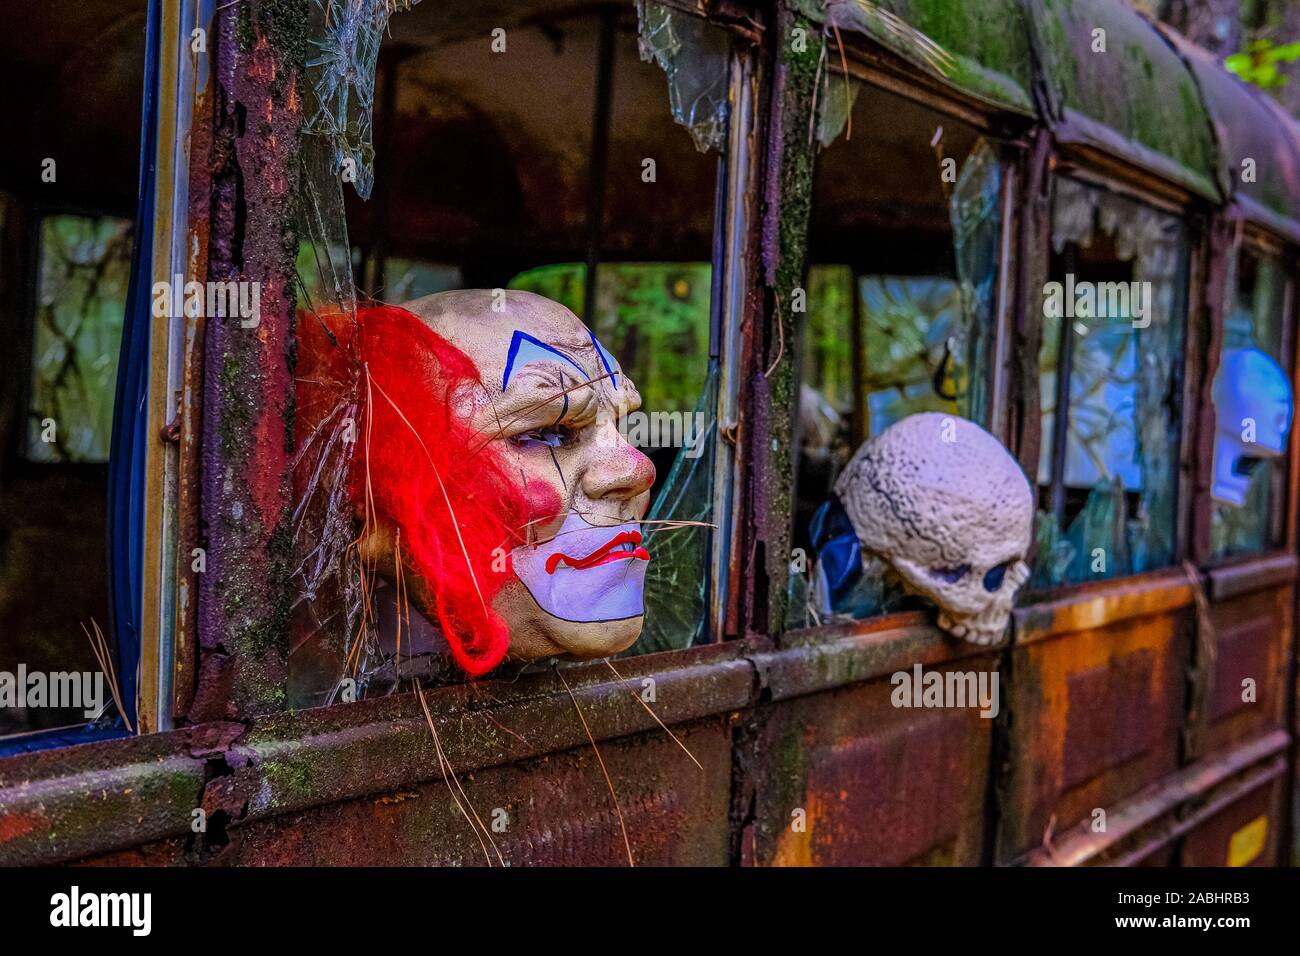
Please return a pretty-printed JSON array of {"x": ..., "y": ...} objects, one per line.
[
  {"x": 941, "y": 502},
  {"x": 1252, "y": 399}
]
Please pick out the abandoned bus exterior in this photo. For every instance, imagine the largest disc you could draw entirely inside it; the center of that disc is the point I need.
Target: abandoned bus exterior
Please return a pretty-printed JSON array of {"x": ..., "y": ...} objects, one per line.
[{"x": 802, "y": 227}]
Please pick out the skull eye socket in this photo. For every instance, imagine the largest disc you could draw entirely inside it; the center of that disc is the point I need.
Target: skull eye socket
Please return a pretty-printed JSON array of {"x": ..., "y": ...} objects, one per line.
[
  {"x": 993, "y": 579},
  {"x": 950, "y": 575}
]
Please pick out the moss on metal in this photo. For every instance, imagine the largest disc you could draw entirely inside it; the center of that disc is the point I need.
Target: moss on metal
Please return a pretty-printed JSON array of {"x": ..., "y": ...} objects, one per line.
[
  {"x": 784, "y": 252},
  {"x": 981, "y": 49},
  {"x": 1104, "y": 61},
  {"x": 246, "y": 596}
]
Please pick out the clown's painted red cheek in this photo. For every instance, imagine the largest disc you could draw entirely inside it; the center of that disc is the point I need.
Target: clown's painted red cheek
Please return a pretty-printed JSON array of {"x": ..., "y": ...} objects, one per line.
[{"x": 544, "y": 503}]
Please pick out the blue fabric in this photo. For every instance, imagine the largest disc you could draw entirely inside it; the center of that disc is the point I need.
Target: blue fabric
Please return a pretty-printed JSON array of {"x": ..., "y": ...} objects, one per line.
[
  {"x": 63, "y": 737},
  {"x": 837, "y": 547}
]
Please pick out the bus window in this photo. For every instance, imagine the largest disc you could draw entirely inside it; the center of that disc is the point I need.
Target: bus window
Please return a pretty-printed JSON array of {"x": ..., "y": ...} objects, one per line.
[
  {"x": 595, "y": 189},
  {"x": 52, "y": 533},
  {"x": 1255, "y": 322},
  {"x": 1111, "y": 369},
  {"x": 902, "y": 252}
]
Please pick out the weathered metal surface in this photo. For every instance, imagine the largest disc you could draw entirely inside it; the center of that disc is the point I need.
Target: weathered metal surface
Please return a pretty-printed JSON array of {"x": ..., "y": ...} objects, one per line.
[
  {"x": 846, "y": 777},
  {"x": 1102, "y": 604},
  {"x": 1096, "y": 698},
  {"x": 185, "y": 638},
  {"x": 1144, "y": 828},
  {"x": 978, "y": 49},
  {"x": 1242, "y": 577},
  {"x": 291, "y": 762},
  {"x": 1122, "y": 90},
  {"x": 1033, "y": 233},
  {"x": 553, "y": 810},
  {"x": 829, "y": 657},
  {"x": 1203, "y": 364},
  {"x": 62, "y": 804},
  {"x": 1259, "y": 145},
  {"x": 1243, "y": 832},
  {"x": 1247, "y": 689},
  {"x": 247, "y": 429},
  {"x": 770, "y": 393}
]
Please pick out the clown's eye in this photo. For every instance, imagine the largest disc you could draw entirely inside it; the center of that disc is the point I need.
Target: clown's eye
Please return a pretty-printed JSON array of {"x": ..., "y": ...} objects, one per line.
[{"x": 553, "y": 436}]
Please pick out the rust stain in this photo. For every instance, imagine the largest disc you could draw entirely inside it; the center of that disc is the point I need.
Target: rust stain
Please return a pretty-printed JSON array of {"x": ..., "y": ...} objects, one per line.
[{"x": 15, "y": 825}]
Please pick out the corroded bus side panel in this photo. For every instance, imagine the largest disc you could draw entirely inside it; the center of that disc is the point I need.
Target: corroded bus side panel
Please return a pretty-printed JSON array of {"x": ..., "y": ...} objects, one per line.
[
  {"x": 552, "y": 810},
  {"x": 1246, "y": 832},
  {"x": 845, "y": 777},
  {"x": 1095, "y": 716},
  {"x": 1247, "y": 690}
]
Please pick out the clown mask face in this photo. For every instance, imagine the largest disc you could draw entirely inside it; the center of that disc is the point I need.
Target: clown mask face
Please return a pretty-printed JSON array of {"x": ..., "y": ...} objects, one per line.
[{"x": 550, "y": 401}]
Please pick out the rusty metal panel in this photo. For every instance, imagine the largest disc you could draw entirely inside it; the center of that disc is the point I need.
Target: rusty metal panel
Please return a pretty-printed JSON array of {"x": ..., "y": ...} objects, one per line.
[
  {"x": 163, "y": 853},
  {"x": 1148, "y": 825},
  {"x": 877, "y": 784},
  {"x": 1252, "y": 636},
  {"x": 1095, "y": 717},
  {"x": 1159, "y": 857},
  {"x": 71, "y": 802},
  {"x": 555, "y": 810},
  {"x": 1245, "y": 833}
]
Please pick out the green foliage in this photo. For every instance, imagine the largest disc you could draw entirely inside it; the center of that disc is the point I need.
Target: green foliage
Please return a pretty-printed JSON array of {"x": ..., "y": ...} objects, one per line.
[
  {"x": 654, "y": 317},
  {"x": 1258, "y": 63},
  {"x": 85, "y": 269}
]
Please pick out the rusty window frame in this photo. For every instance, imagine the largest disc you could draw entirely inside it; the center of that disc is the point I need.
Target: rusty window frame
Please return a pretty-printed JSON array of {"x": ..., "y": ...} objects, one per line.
[
  {"x": 159, "y": 533},
  {"x": 179, "y": 82},
  {"x": 1261, "y": 241},
  {"x": 736, "y": 212},
  {"x": 1102, "y": 171},
  {"x": 883, "y": 70}
]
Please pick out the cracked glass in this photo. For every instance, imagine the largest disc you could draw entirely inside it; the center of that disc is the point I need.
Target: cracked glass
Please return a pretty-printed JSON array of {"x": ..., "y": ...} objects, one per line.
[
  {"x": 496, "y": 182},
  {"x": 1112, "y": 354},
  {"x": 901, "y": 307}
]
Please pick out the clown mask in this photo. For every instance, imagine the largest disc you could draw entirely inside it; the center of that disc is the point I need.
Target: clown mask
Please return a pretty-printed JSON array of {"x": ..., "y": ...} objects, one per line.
[{"x": 546, "y": 405}]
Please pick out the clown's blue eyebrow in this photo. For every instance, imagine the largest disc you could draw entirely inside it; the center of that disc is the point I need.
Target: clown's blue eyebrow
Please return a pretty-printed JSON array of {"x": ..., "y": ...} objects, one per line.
[
  {"x": 605, "y": 358},
  {"x": 523, "y": 351}
]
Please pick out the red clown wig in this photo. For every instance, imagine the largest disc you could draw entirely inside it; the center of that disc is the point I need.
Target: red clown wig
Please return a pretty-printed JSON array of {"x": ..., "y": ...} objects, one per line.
[{"x": 418, "y": 466}]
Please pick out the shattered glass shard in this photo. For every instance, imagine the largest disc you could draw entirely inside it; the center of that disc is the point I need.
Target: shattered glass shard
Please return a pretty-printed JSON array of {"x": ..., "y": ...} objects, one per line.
[
  {"x": 697, "y": 60},
  {"x": 341, "y": 75}
]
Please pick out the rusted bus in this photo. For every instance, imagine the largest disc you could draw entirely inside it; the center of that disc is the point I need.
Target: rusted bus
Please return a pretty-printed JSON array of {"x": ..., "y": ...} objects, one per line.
[
  {"x": 552, "y": 810},
  {"x": 846, "y": 778},
  {"x": 119, "y": 794},
  {"x": 1096, "y": 698},
  {"x": 1096, "y": 713},
  {"x": 832, "y": 771}
]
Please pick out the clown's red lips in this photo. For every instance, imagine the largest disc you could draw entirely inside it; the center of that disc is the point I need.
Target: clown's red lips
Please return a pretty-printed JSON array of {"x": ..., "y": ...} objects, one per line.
[{"x": 605, "y": 554}]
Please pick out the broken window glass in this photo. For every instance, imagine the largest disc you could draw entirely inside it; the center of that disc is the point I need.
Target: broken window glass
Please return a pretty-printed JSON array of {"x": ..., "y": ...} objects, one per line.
[
  {"x": 345, "y": 42},
  {"x": 697, "y": 59},
  {"x": 495, "y": 183},
  {"x": 901, "y": 299},
  {"x": 1112, "y": 351},
  {"x": 85, "y": 267},
  {"x": 1255, "y": 319}
]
